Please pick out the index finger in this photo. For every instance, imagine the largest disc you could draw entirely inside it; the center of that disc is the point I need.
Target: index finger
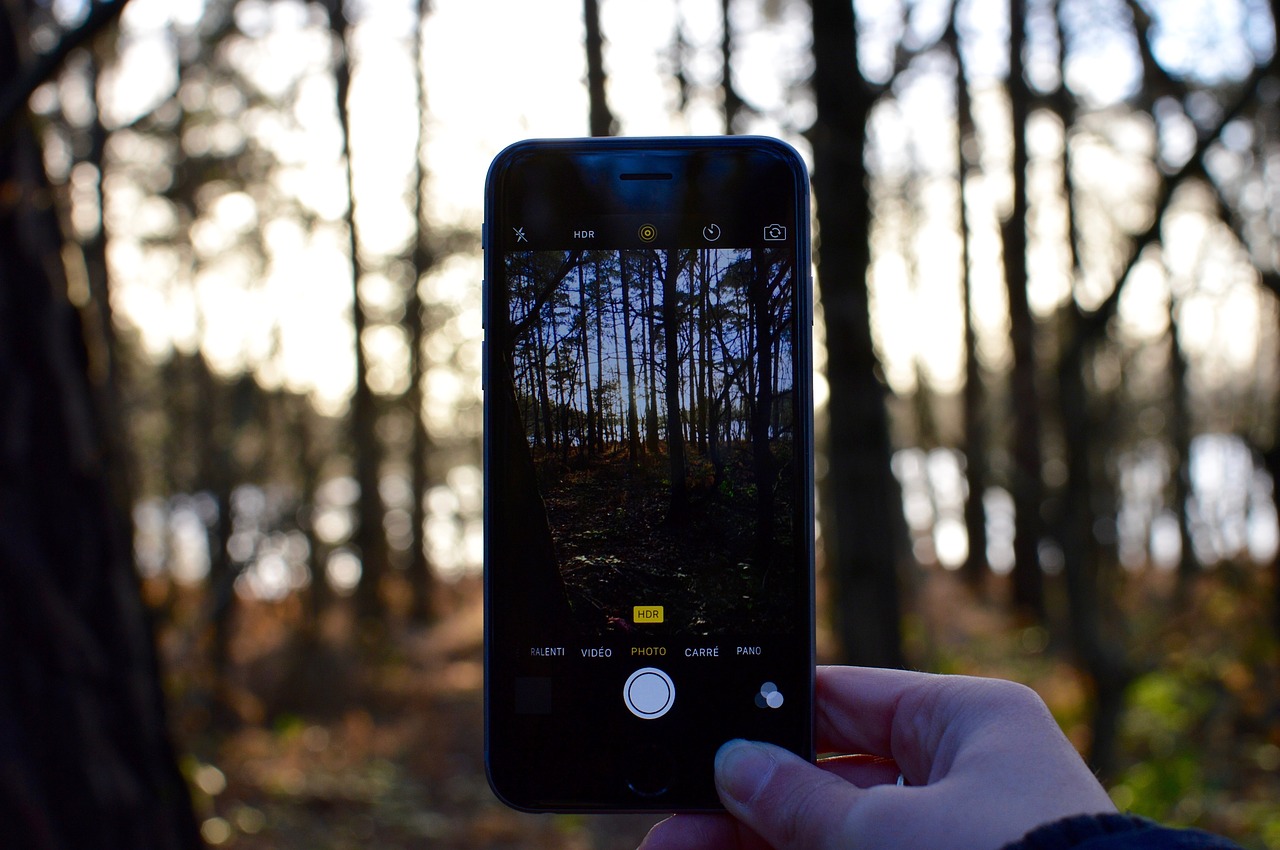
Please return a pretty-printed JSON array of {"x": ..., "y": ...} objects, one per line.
[
  {"x": 923, "y": 721},
  {"x": 855, "y": 707},
  {"x": 896, "y": 714}
]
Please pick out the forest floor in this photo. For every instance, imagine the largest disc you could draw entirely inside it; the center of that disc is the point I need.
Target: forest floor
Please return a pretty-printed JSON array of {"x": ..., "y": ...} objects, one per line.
[
  {"x": 326, "y": 751},
  {"x": 321, "y": 747},
  {"x": 619, "y": 544}
]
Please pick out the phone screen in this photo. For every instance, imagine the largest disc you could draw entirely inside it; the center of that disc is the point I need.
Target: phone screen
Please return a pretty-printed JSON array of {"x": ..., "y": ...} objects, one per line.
[{"x": 648, "y": 465}]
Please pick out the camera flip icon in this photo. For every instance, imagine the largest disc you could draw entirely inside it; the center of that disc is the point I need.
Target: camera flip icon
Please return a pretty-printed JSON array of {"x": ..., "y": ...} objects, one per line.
[{"x": 774, "y": 233}]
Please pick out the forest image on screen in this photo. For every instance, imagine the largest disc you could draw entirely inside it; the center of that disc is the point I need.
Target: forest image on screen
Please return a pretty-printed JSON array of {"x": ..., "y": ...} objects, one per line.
[{"x": 656, "y": 391}]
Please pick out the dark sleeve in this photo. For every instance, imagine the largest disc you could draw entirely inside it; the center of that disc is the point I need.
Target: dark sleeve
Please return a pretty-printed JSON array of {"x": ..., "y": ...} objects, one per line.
[{"x": 1117, "y": 832}]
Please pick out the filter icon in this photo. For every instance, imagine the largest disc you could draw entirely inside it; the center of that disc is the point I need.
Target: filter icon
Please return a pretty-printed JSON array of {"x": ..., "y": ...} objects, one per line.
[{"x": 647, "y": 233}]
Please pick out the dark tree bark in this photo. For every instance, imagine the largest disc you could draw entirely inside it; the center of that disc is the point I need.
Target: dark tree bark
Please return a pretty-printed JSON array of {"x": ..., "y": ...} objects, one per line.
[
  {"x": 864, "y": 517},
  {"x": 633, "y": 420},
  {"x": 213, "y": 435},
  {"x": 703, "y": 334},
  {"x": 975, "y": 438},
  {"x": 732, "y": 100},
  {"x": 1180, "y": 432},
  {"x": 1101, "y": 658},
  {"x": 369, "y": 536},
  {"x": 544, "y": 392},
  {"x": 675, "y": 430},
  {"x": 524, "y": 516},
  {"x": 591, "y": 436},
  {"x": 1272, "y": 460},
  {"x": 1027, "y": 483},
  {"x": 319, "y": 595},
  {"x": 421, "y": 577},
  {"x": 601, "y": 119},
  {"x": 18, "y": 86},
  {"x": 100, "y": 335},
  {"x": 86, "y": 756},
  {"x": 598, "y": 446},
  {"x": 650, "y": 323},
  {"x": 762, "y": 457}
]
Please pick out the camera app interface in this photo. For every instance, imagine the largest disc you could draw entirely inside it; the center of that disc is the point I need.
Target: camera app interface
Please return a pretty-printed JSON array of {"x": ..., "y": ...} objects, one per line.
[{"x": 652, "y": 453}]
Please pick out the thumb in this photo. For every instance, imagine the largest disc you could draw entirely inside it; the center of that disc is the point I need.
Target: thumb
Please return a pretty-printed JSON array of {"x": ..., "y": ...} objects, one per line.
[{"x": 790, "y": 803}]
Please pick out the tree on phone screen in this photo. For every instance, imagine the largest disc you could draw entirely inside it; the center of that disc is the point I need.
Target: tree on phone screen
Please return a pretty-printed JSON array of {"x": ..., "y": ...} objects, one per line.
[{"x": 675, "y": 429}]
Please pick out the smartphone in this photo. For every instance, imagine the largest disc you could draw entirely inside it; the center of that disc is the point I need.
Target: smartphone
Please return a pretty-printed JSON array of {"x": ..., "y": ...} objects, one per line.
[{"x": 649, "y": 525}]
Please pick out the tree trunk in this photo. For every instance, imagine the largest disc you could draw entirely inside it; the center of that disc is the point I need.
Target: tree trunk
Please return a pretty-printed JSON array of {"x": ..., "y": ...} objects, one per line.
[
  {"x": 732, "y": 100},
  {"x": 1180, "y": 431},
  {"x": 704, "y": 349},
  {"x": 863, "y": 515},
  {"x": 421, "y": 577},
  {"x": 88, "y": 761},
  {"x": 975, "y": 437},
  {"x": 762, "y": 457},
  {"x": 1102, "y": 661},
  {"x": 600, "y": 399},
  {"x": 213, "y": 433},
  {"x": 319, "y": 594},
  {"x": 675, "y": 431},
  {"x": 369, "y": 537},
  {"x": 651, "y": 410},
  {"x": 589, "y": 447},
  {"x": 523, "y": 516},
  {"x": 1028, "y": 489},
  {"x": 633, "y": 420},
  {"x": 544, "y": 391},
  {"x": 601, "y": 119}
]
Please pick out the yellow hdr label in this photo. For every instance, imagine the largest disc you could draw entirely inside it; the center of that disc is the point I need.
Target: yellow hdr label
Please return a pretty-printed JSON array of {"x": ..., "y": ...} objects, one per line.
[{"x": 647, "y": 614}]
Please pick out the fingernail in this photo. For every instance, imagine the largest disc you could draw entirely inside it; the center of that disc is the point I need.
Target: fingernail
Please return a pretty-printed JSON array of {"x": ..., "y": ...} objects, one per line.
[{"x": 743, "y": 768}]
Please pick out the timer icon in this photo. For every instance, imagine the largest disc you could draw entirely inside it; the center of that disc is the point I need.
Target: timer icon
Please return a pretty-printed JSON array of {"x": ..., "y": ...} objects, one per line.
[{"x": 711, "y": 232}]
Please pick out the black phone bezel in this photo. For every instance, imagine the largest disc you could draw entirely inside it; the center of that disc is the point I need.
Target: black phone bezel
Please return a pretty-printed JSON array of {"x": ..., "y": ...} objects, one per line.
[{"x": 591, "y": 178}]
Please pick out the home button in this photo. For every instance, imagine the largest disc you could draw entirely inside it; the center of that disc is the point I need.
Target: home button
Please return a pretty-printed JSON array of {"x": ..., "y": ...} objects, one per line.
[
  {"x": 649, "y": 693},
  {"x": 649, "y": 771}
]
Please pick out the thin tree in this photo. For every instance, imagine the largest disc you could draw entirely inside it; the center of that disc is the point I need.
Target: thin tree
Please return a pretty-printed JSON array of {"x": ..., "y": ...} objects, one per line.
[
  {"x": 671, "y": 342},
  {"x": 1100, "y": 656},
  {"x": 863, "y": 519},
  {"x": 702, "y": 296},
  {"x": 597, "y": 301},
  {"x": 366, "y": 450},
  {"x": 1027, "y": 483},
  {"x": 633, "y": 420},
  {"x": 585, "y": 338},
  {"x": 421, "y": 447},
  {"x": 601, "y": 118},
  {"x": 1180, "y": 433},
  {"x": 651, "y": 348},
  {"x": 762, "y": 457},
  {"x": 733, "y": 104},
  {"x": 975, "y": 447}
]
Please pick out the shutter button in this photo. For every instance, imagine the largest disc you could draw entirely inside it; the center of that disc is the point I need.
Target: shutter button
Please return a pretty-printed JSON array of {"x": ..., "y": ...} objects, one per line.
[{"x": 649, "y": 693}]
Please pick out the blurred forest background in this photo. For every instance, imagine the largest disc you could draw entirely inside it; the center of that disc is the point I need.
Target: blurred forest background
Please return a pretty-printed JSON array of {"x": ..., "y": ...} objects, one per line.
[{"x": 240, "y": 392}]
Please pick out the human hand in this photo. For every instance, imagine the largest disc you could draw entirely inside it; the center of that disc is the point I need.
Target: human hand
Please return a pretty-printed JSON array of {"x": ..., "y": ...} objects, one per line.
[{"x": 984, "y": 763}]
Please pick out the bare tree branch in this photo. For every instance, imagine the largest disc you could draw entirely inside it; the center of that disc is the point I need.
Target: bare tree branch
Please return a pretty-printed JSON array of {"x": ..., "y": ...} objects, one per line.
[
  {"x": 1094, "y": 323},
  {"x": 16, "y": 92}
]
